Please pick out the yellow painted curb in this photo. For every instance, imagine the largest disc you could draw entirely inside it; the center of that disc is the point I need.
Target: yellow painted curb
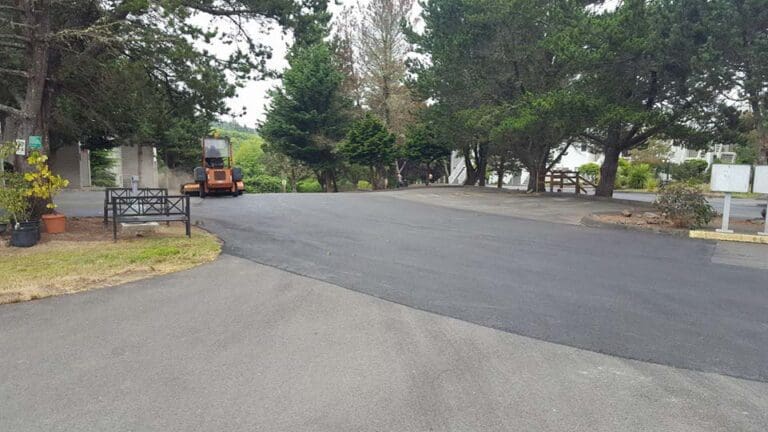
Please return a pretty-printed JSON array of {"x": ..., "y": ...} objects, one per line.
[{"x": 713, "y": 235}]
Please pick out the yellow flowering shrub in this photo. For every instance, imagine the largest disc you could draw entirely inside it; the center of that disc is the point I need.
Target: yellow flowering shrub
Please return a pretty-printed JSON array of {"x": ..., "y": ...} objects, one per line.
[{"x": 44, "y": 184}]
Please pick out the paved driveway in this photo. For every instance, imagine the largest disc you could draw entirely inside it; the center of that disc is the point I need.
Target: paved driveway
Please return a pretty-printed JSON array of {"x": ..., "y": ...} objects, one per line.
[
  {"x": 635, "y": 295},
  {"x": 238, "y": 347}
]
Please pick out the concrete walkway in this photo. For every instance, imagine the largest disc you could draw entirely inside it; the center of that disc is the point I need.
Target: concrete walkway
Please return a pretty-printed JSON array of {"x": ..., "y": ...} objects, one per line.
[{"x": 237, "y": 346}]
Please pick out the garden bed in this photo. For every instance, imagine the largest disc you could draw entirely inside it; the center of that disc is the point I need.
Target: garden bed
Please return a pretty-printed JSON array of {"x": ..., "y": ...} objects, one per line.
[
  {"x": 652, "y": 221},
  {"x": 85, "y": 257}
]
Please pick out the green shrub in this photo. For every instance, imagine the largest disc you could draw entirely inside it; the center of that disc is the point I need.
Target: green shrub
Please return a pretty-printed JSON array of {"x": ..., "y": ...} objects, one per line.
[
  {"x": 692, "y": 171},
  {"x": 309, "y": 185},
  {"x": 263, "y": 184},
  {"x": 364, "y": 185},
  {"x": 14, "y": 197},
  {"x": 684, "y": 205},
  {"x": 590, "y": 170},
  {"x": 638, "y": 175},
  {"x": 651, "y": 185},
  {"x": 101, "y": 168}
]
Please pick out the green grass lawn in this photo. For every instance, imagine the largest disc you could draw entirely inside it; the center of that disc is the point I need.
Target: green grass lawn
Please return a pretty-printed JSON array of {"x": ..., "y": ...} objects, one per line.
[{"x": 57, "y": 267}]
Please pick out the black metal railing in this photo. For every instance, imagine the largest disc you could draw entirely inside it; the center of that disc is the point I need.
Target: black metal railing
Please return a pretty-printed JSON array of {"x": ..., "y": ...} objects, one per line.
[
  {"x": 138, "y": 209},
  {"x": 112, "y": 193}
]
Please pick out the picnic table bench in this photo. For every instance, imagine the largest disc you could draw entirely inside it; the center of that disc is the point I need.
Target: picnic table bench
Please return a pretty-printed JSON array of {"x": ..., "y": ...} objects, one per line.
[
  {"x": 111, "y": 193},
  {"x": 141, "y": 209}
]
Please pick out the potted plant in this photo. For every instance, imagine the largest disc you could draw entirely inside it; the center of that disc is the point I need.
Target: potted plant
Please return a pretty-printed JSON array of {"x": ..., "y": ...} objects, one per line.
[
  {"x": 14, "y": 200},
  {"x": 3, "y": 223},
  {"x": 45, "y": 185}
]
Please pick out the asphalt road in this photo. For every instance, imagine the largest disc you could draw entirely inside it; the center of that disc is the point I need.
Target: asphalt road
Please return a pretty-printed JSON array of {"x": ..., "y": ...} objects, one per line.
[
  {"x": 630, "y": 294},
  {"x": 235, "y": 346}
]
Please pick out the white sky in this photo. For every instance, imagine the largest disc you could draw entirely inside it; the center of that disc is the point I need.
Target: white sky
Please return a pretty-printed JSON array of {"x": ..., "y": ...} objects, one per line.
[{"x": 253, "y": 97}]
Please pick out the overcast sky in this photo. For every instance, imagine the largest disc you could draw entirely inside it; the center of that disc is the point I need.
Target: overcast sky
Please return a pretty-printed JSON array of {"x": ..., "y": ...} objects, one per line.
[{"x": 253, "y": 97}]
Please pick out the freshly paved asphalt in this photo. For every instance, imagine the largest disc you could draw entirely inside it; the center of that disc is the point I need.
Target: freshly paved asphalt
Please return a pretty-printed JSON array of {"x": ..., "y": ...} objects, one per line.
[
  {"x": 635, "y": 295},
  {"x": 239, "y": 347}
]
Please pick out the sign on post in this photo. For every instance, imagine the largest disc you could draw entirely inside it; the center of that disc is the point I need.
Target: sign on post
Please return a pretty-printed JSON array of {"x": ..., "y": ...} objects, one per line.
[
  {"x": 21, "y": 147},
  {"x": 35, "y": 142},
  {"x": 761, "y": 186},
  {"x": 728, "y": 179}
]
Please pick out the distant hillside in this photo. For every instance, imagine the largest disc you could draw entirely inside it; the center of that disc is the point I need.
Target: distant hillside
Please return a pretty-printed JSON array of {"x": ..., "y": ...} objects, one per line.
[{"x": 232, "y": 126}]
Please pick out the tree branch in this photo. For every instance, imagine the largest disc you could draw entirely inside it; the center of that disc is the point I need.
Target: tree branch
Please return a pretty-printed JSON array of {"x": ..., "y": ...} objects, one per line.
[
  {"x": 12, "y": 111},
  {"x": 641, "y": 138},
  {"x": 219, "y": 12},
  {"x": 10, "y": 8},
  {"x": 13, "y": 23},
  {"x": 594, "y": 138},
  {"x": 14, "y": 37},
  {"x": 14, "y": 72},
  {"x": 13, "y": 45},
  {"x": 556, "y": 160}
]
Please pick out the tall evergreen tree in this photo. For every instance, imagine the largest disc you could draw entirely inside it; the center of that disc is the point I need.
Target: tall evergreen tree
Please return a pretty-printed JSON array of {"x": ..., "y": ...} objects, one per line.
[
  {"x": 640, "y": 70},
  {"x": 95, "y": 71},
  {"x": 309, "y": 115},
  {"x": 370, "y": 144}
]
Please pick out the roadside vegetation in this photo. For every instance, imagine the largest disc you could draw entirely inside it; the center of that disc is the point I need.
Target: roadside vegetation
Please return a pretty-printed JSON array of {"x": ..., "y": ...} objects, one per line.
[
  {"x": 86, "y": 258},
  {"x": 370, "y": 95}
]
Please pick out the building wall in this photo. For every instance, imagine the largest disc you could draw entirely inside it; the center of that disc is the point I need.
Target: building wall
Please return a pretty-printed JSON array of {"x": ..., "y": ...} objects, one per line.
[
  {"x": 74, "y": 164},
  {"x": 134, "y": 160},
  {"x": 578, "y": 155}
]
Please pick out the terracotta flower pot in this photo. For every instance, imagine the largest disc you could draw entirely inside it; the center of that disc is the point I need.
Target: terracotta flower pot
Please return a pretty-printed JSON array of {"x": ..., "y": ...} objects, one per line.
[{"x": 55, "y": 223}]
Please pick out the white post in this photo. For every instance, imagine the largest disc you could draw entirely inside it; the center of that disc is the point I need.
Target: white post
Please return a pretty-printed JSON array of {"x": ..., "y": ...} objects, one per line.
[
  {"x": 726, "y": 214},
  {"x": 765, "y": 226}
]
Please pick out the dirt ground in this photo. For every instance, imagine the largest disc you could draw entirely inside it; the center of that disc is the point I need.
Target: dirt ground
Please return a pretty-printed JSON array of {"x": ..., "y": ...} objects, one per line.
[
  {"x": 90, "y": 229},
  {"x": 645, "y": 220}
]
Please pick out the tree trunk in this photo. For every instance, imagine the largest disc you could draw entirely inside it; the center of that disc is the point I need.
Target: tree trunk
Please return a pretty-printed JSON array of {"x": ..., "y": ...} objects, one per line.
[
  {"x": 292, "y": 179},
  {"x": 482, "y": 163},
  {"x": 536, "y": 177},
  {"x": 333, "y": 180},
  {"x": 321, "y": 178},
  {"x": 608, "y": 171},
  {"x": 471, "y": 177},
  {"x": 37, "y": 29},
  {"x": 762, "y": 133},
  {"x": 500, "y": 173},
  {"x": 329, "y": 184}
]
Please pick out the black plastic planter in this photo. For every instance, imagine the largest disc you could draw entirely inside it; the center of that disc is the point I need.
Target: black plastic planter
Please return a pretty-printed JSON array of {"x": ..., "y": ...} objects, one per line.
[
  {"x": 32, "y": 225},
  {"x": 25, "y": 234}
]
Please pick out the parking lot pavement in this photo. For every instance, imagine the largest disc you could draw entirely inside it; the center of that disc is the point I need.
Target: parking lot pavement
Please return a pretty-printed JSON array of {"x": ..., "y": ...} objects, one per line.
[{"x": 565, "y": 208}]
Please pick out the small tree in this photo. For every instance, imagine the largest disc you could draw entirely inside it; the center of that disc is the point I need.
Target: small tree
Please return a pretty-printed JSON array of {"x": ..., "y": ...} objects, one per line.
[
  {"x": 370, "y": 144},
  {"x": 309, "y": 115},
  {"x": 13, "y": 197},
  {"x": 684, "y": 205},
  {"x": 422, "y": 146},
  {"x": 43, "y": 183},
  {"x": 693, "y": 171}
]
